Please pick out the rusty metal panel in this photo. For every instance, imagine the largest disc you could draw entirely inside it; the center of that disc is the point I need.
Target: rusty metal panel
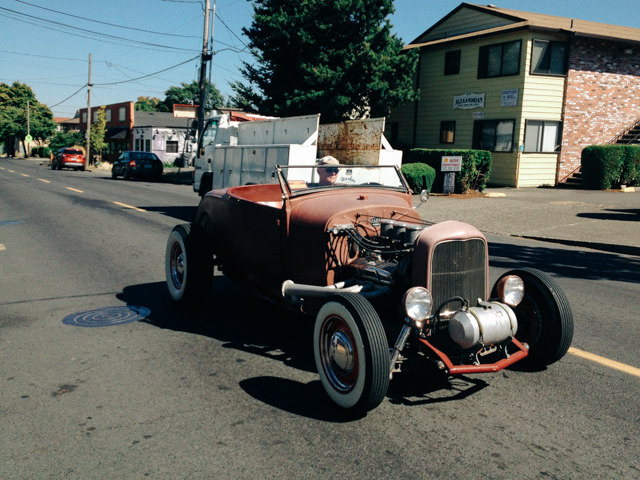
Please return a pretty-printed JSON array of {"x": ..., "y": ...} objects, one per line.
[{"x": 357, "y": 142}]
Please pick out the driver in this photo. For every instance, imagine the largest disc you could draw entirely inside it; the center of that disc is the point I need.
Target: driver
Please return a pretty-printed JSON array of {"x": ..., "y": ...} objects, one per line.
[{"x": 328, "y": 170}]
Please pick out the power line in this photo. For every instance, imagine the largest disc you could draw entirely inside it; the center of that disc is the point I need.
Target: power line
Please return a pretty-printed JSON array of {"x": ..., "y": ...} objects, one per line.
[
  {"x": 148, "y": 75},
  {"x": 107, "y": 23},
  {"x": 73, "y": 94},
  {"x": 92, "y": 32}
]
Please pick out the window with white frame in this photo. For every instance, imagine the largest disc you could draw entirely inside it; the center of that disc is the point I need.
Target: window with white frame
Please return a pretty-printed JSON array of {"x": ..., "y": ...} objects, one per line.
[{"x": 542, "y": 136}]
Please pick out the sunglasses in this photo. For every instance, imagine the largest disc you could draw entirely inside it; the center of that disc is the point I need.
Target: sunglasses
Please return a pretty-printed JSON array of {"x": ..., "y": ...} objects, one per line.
[{"x": 331, "y": 171}]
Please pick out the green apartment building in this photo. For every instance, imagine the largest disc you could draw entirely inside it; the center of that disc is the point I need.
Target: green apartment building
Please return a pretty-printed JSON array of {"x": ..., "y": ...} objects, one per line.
[{"x": 533, "y": 89}]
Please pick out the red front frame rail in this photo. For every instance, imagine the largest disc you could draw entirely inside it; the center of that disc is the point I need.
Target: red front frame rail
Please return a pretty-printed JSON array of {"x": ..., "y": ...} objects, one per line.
[{"x": 483, "y": 368}]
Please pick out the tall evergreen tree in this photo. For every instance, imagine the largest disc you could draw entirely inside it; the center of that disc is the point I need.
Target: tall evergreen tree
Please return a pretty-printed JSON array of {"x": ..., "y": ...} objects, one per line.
[{"x": 335, "y": 57}]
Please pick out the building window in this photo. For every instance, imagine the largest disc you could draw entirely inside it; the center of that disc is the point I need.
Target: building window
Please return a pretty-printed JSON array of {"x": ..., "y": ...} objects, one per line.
[
  {"x": 84, "y": 117},
  {"x": 542, "y": 136},
  {"x": 499, "y": 60},
  {"x": 493, "y": 135},
  {"x": 172, "y": 146},
  {"x": 107, "y": 114},
  {"x": 95, "y": 116},
  {"x": 447, "y": 131},
  {"x": 137, "y": 145},
  {"x": 122, "y": 114},
  {"x": 549, "y": 58},
  {"x": 452, "y": 62},
  {"x": 147, "y": 145}
]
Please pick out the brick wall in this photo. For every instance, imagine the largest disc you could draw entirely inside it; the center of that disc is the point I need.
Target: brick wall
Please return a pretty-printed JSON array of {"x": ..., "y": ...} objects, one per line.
[{"x": 602, "y": 96}]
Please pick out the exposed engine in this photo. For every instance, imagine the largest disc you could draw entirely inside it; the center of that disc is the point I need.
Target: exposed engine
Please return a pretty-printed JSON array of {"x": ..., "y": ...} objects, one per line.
[{"x": 382, "y": 265}]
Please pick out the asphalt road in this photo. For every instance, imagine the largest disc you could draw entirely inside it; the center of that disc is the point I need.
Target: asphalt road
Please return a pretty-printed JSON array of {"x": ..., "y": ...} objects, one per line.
[{"x": 230, "y": 391}]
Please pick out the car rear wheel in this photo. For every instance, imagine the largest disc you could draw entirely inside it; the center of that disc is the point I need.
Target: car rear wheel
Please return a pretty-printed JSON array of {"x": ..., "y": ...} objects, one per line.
[
  {"x": 351, "y": 353},
  {"x": 545, "y": 320},
  {"x": 113, "y": 174},
  {"x": 126, "y": 175},
  {"x": 188, "y": 264}
]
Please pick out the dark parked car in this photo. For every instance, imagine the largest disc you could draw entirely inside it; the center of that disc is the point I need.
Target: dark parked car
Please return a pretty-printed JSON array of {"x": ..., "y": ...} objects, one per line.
[
  {"x": 69, "y": 158},
  {"x": 389, "y": 292},
  {"x": 132, "y": 164}
]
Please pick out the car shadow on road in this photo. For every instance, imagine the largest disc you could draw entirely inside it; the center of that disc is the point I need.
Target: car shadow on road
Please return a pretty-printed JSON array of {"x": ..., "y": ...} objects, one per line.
[
  {"x": 246, "y": 322},
  {"x": 574, "y": 263}
]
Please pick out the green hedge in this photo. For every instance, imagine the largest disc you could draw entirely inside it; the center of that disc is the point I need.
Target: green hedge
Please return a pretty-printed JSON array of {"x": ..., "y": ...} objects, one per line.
[
  {"x": 476, "y": 167},
  {"x": 419, "y": 176},
  {"x": 607, "y": 166},
  {"x": 42, "y": 152}
]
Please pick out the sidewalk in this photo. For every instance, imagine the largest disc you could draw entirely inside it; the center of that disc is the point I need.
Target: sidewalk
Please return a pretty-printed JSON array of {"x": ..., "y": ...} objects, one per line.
[{"x": 602, "y": 220}]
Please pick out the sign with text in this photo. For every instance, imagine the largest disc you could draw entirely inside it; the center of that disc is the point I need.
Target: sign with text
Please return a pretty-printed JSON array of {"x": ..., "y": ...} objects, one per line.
[
  {"x": 468, "y": 101},
  {"x": 451, "y": 164},
  {"x": 509, "y": 98}
]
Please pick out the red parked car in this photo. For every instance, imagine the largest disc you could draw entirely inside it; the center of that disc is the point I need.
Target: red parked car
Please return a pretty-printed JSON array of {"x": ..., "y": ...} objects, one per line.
[
  {"x": 387, "y": 291},
  {"x": 69, "y": 158}
]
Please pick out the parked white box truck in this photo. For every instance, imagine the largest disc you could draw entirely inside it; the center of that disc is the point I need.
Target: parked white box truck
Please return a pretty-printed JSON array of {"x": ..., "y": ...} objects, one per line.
[{"x": 238, "y": 153}]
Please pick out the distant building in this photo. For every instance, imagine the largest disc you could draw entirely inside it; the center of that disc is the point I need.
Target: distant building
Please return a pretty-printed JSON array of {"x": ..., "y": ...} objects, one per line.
[
  {"x": 533, "y": 89},
  {"x": 65, "y": 124},
  {"x": 127, "y": 129}
]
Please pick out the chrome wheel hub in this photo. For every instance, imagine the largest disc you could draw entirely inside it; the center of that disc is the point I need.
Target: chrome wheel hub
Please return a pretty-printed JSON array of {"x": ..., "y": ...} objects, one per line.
[{"x": 177, "y": 266}]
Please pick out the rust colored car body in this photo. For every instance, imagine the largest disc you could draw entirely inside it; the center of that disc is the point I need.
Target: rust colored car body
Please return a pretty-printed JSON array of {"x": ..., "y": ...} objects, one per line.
[{"x": 388, "y": 291}]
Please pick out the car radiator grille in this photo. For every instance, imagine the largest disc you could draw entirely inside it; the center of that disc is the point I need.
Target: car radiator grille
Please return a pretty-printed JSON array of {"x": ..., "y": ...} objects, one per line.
[{"x": 458, "y": 269}]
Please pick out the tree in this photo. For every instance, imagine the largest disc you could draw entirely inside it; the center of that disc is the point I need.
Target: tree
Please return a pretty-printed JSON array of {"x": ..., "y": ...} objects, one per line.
[
  {"x": 13, "y": 114},
  {"x": 98, "y": 129},
  {"x": 65, "y": 139},
  {"x": 334, "y": 57},
  {"x": 148, "y": 104},
  {"x": 189, "y": 94}
]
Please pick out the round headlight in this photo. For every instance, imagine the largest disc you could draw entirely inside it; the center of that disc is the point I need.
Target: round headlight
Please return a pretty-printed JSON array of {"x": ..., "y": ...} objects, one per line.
[
  {"x": 511, "y": 290},
  {"x": 417, "y": 303}
]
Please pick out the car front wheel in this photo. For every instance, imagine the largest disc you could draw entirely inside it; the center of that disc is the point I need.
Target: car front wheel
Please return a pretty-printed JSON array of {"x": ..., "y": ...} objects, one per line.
[
  {"x": 545, "y": 320},
  {"x": 351, "y": 353},
  {"x": 188, "y": 264}
]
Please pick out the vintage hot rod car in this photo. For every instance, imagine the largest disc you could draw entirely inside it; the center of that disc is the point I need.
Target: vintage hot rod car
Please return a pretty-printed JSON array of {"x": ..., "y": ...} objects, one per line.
[{"x": 388, "y": 291}]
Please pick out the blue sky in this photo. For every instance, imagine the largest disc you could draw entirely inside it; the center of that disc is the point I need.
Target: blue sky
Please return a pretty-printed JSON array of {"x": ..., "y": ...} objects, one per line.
[{"x": 46, "y": 43}]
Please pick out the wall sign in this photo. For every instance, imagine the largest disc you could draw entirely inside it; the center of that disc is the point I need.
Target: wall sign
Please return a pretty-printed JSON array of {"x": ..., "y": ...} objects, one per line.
[
  {"x": 509, "y": 98},
  {"x": 468, "y": 101}
]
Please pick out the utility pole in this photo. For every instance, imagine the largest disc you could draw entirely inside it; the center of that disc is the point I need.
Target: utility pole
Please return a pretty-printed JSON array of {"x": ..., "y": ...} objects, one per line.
[
  {"x": 28, "y": 129},
  {"x": 88, "y": 156},
  {"x": 204, "y": 59}
]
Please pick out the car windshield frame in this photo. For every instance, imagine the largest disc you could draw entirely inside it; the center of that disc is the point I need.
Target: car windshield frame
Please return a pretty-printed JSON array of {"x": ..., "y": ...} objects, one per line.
[{"x": 297, "y": 180}]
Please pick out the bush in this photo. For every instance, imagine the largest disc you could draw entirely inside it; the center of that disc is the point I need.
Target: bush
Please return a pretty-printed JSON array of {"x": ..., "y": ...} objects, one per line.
[
  {"x": 419, "y": 176},
  {"x": 476, "y": 167},
  {"x": 607, "y": 166},
  {"x": 42, "y": 152}
]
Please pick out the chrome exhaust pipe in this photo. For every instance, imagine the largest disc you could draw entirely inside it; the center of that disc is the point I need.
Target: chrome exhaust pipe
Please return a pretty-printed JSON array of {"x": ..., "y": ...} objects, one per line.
[{"x": 291, "y": 289}]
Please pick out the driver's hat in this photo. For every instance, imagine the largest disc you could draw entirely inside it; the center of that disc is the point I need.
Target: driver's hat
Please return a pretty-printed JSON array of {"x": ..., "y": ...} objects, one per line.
[{"x": 328, "y": 160}]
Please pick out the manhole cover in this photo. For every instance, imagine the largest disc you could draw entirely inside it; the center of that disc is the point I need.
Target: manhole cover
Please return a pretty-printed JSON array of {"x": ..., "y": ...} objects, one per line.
[{"x": 108, "y": 316}]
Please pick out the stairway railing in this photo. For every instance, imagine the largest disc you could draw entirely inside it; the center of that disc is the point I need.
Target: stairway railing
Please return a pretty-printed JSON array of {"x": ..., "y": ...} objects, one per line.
[{"x": 626, "y": 130}]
